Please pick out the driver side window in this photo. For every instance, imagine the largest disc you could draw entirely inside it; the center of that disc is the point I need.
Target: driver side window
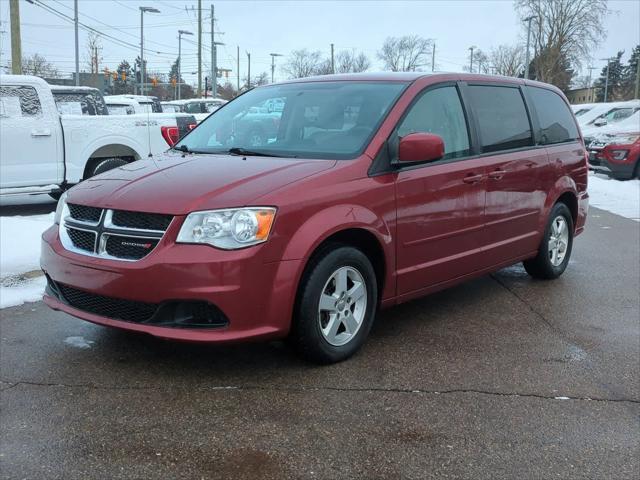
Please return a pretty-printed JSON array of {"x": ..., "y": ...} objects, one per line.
[{"x": 439, "y": 111}]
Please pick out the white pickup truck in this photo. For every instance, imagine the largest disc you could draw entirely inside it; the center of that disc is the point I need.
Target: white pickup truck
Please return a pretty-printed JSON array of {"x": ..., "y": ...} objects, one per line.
[{"x": 42, "y": 151}]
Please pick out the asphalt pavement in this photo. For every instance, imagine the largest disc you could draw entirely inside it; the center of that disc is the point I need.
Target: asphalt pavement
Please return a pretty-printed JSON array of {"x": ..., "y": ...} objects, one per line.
[{"x": 501, "y": 377}]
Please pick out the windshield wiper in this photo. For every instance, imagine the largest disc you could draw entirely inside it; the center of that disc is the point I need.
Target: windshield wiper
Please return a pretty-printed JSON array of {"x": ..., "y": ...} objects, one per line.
[
  {"x": 244, "y": 151},
  {"x": 182, "y": 148}
]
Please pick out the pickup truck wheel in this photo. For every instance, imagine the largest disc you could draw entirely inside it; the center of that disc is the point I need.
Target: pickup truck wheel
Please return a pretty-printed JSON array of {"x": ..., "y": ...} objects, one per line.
[
  {"x": 555, "y": 248},
  {"x": 336, "y": 305},
  {"x": 106, "y": 165}
]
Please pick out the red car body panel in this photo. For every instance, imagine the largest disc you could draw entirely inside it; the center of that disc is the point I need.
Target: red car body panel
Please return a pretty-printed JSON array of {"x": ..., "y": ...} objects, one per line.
[{"x": 433, "y": 226}]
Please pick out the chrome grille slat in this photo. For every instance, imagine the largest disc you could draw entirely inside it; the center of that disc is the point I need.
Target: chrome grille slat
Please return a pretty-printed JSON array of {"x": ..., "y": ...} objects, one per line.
[{"x": 124, "y": 241}]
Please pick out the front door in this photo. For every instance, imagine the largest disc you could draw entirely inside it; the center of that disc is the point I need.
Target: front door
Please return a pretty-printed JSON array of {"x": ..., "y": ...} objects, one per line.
[
  {"x": 28, "y": 149},
  {"x": 440, "y": 205}
]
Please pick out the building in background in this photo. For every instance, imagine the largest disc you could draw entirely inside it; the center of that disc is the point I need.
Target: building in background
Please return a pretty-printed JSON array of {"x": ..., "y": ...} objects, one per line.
[{"x": 581, "y": 95}]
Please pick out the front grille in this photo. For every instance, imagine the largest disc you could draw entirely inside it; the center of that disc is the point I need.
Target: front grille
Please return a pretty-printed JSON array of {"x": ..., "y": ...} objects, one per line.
[
  {"x": 139, "y": 220},
  {"x": 130, "y": 248},
  {"x": 84, "y": 214},
  {"x": 116, "y": 308},
  {"x": 82, "y": 239},
  {"x": 115, "y": 234}
]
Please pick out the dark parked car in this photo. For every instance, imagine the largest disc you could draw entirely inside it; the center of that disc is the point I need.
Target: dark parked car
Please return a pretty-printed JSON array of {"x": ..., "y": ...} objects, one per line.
[{"x": 372, "y": 190}]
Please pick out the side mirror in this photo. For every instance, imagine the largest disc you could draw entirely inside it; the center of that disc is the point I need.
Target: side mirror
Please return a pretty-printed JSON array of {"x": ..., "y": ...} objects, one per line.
[
  {"x": 420, "y": 147},
  {"x": 600, "y": 122}
]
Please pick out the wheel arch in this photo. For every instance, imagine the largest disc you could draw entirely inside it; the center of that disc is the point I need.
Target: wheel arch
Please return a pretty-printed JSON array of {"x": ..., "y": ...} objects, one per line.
[{"x": 113, "y": 150}]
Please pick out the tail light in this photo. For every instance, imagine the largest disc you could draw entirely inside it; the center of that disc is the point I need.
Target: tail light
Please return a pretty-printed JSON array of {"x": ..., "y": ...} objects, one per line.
[
  {"x": 170, "y": 134},
  {"x": 191, "y": 126}
]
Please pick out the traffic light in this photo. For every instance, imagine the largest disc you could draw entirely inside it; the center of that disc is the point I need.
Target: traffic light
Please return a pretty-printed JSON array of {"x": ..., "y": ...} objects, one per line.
[
  {"x": 154, "y": 81},
  {"x": 173, "y": 82},
  {"x": 123, "y": 76},
  {"x": 114, "y": 75}
]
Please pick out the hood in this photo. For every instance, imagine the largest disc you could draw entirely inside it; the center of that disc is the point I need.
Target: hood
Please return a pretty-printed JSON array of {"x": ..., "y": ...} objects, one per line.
[{"x": 173, "y": 184}]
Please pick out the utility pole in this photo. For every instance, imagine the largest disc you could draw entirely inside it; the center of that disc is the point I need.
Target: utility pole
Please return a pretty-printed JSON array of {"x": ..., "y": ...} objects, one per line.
[
  {"x": 16, "y": 42},
  {"x": 75, "y": 26},
  {"x": 471, "y": 60},
  {"x": 526, "y": 65},
  {"x": 248, "y": 70},
  {"x": 433, "y": 57},
  {"x": 214, "y": 67},
  {"x": 179, "y": 79},
  {"x": 142, "y": 66},
  {"x": 238, "y": 67},
  {"x": 273, "y": 64},
  {"x": 199, "y": 48},
  {"x": 333, "y": 63},
  {"x": 606, "y": 81}
]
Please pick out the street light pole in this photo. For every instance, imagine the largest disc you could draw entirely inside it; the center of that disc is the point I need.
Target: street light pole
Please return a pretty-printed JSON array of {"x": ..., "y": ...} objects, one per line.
[
  {"x": 273, "y": 64},
  {"x": 606, "y": 81},
  {"x": 180, "y": 33},
  {"x": 142, "y": 66},
  {"x": 75, "y": 26},
  {"x": 471, "y": 60},
  {"x": 526, "y": 65}
]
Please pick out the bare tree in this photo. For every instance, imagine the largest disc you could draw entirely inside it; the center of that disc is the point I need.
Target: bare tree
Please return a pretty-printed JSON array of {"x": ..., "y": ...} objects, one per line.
[
  {"x": 405, "y": 54},
  {"x": 302, "y": 63},
  {"x": 508, "y": 60},
  {"x": 564, "y": 32},
  {"x": 350, "y": 62},
  {"x": 39, "y": 66},
  {"x": 94, "y": 52}
]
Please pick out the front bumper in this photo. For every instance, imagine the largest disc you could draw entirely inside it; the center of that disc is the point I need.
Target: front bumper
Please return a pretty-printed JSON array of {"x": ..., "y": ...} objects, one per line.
[
  {"x": 255, "y": 297},
  {"x": 616, "y": 170}
]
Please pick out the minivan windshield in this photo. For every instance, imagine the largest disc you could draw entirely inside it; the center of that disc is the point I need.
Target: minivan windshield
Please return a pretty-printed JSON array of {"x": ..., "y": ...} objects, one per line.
[{"x": 332, "y": 120}]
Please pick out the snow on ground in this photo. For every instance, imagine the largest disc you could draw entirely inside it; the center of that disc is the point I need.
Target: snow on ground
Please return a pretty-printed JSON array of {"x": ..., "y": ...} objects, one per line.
[
  {"x": 20, "y": 278},
  {"x": 615, "y": 196}
]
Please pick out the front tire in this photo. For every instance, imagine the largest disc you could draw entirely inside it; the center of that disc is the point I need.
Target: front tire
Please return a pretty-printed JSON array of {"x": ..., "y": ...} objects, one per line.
[
  {"x": 106, "y": 165},
  {"x": 336, "y": 305},
  {"x": 555, "y": 247}
]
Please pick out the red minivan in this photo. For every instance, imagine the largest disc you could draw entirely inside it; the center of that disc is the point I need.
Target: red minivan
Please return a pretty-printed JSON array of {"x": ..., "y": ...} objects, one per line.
[{"x": 363, "y": 191}]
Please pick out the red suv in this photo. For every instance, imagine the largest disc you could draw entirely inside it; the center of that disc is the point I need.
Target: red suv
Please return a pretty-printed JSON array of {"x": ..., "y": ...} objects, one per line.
[
  {"x": 616, "y": 155},
  {"x": 374, "y": 189}
]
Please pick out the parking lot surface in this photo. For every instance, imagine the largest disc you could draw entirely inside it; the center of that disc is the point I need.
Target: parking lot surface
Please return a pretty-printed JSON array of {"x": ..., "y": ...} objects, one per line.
[{"x": 501, "y": 377}]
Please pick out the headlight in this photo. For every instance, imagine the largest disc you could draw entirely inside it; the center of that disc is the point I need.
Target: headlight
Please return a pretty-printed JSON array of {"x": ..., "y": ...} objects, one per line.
[
  {"x": 228, "y": 229},
  {"x": 62, "y": 203}
]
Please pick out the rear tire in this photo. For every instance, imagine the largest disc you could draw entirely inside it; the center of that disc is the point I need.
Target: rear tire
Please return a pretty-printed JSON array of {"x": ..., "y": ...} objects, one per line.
[
  {"x": 106, "y": 165},
  {"x": 555, "y": 247},
  {"x": 336, "y": 305}
]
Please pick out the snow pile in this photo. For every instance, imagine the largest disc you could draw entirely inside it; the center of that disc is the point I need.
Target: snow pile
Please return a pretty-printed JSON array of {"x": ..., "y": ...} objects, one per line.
[
  {"x": 621, "y": 198},
  {"x": 20, "y": 277}
]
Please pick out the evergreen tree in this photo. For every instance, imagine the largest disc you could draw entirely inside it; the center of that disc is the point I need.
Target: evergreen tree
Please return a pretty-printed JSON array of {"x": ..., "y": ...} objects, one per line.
[
  {"x": 629, "y": 74},
  {"x": 614, "y": 89},
  {"x": 123, "y": 83}
]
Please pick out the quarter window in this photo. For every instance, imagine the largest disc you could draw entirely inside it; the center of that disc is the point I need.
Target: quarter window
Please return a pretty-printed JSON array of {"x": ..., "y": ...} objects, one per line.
[
  {"x": 439, "y": 111},
  {"x": 19, "y": 101},
  {"x": 503, "y": 122},
  {"x": 556, "y": 122}
]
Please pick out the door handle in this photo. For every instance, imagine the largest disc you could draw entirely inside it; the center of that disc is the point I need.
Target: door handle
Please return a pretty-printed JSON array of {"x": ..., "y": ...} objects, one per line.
[
  {"x": 497, "y": 174},
  {"x": 472, "y": 178},
  {"x": 44, "y": 132}
]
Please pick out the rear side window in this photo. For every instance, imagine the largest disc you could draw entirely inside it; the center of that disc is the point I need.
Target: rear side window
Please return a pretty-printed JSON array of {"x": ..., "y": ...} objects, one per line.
[
  {"x": 556, "y": 122},
  {"x": 503, "y": 122},
  {"x": 19, "y": 101},
  {"x": 439, "y": 111}
]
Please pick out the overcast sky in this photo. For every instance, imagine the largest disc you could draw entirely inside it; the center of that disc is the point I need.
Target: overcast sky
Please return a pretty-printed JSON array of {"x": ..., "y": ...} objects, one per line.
[{"x": 263, "y": 27}]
